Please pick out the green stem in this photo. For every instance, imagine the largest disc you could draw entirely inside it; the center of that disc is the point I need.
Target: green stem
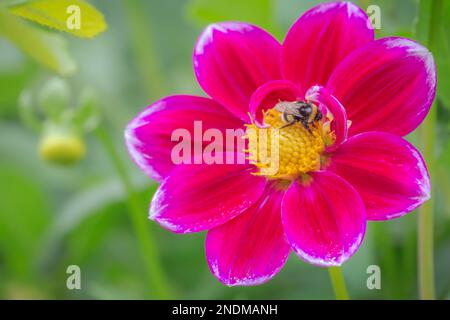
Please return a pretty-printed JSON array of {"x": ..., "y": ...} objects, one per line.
[
  {"x": 148, "y": 249},
  {"x": 338, "y": 283},
  {"x": 143, "y": 48},
  {"x": 425, "y": 222},
  {"x": 409, "y": 267},
  {"x": 387, "y": 257}
]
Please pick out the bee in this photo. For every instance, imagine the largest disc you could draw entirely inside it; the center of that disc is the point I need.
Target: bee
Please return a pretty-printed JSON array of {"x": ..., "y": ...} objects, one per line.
[{"x": 303, "y": 112}]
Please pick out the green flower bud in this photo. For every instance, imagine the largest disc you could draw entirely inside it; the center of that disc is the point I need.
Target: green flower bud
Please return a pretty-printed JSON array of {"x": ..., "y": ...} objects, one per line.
[
  {"x": 54, "y": 97},
  {"x": 61, "y": 146}
]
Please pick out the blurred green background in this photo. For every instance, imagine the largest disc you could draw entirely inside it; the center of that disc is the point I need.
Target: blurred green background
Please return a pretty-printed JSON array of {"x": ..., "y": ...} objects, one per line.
[{"x": 52, "y": 216}]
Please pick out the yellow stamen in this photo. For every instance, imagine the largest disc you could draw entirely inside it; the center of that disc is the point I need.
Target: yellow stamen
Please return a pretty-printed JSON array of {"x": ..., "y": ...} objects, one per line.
[{"x": 286, "y": 152}]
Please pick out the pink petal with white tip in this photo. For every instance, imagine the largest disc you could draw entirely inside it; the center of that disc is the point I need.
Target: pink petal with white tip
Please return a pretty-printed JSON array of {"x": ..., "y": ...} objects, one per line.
[
  {"x": 200, "y": 197},
  {"x": 232, "y": 59},
  {"x": 386, "y": 170},
  {"x": 387, "y": 85},
  {"x": 320, "y": 39},
  {"x": 324, "y": 219},
  {"x": 149, "y": 136},
  {"x": 251, "y": 248}
]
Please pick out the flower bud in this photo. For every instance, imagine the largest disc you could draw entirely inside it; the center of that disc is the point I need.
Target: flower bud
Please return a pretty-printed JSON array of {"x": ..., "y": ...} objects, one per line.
[
  {"x": 61, "y": 146},
  {"x": 54, "y": 97}
]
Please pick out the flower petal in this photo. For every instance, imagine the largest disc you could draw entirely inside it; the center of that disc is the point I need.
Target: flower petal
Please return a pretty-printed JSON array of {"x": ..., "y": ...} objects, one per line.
[
  {"x": 320, "y": 95},
  {"x": 251, "y": 248},
  {"x": 388, "y": 85},
  {"x": 232, "y": 59},
  {"x": 149, "y": 136},
  {"x": 269, "y": 94},
  {"x": 324, "y": 219},
  {"x": 200, "y": 197},
  {"x": 386, "y": 170},
  {"x": 320, "y": 39}
]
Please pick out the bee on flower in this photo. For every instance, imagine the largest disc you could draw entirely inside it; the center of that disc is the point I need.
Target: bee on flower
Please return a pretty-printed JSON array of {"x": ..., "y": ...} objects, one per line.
[{"x": 341, "y": 101}]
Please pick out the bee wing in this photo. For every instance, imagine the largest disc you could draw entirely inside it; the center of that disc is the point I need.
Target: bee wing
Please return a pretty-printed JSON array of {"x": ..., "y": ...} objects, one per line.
[
  {"x": 281, "y": 106},
  {"x": 287, "y": 107}
]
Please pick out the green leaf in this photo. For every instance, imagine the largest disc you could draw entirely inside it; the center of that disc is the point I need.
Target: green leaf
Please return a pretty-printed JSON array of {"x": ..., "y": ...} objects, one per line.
[
  {"x": 92, "y": 200},
  {"x": 48, "y": 49},
  {"x": 14, "y": 76},
  {"x": 22, "y": 223},
  {"x": 259, "y": 12},
  {"x": 76, "y": 17}
]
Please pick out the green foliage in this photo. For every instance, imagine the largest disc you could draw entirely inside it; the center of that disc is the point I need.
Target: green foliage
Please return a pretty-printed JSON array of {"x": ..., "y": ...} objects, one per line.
[
  {"x": 46, "y": 48},
  {"x": 57, "y": 15},
  {"x": 15, "y": 81},
  {"x": 52, "y": 217},
  {"x": 440, "y": 45},
  {"x": 443, "y": 55},
  {"x": 259, "y": 12},
  {"x": 22, "y": 223}
]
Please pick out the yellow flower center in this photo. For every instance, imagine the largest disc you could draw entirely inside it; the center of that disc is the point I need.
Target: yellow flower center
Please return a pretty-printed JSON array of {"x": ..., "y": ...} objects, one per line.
[{"x": 283, "y": 151}]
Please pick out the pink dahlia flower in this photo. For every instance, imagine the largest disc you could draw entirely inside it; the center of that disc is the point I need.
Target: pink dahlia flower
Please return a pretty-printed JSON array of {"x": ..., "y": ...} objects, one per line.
[{"x": 349, "y": 167}]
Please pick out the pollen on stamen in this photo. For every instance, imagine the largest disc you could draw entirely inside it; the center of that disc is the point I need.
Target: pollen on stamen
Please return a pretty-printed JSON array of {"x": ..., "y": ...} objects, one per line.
[{"x": 285, "y": 152}]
